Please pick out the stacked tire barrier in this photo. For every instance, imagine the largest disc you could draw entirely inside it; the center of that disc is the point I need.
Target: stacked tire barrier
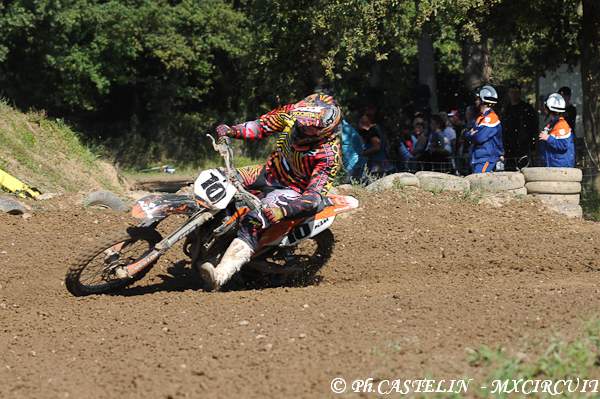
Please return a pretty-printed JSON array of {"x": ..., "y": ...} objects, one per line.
[
  {"x": 510, "y": 183},
  {"x": 394, "y": 180},
  {"x": 435, "y": 181},
  {"x": 557, "y": 188},
  {"x": 11, "y": 206}
]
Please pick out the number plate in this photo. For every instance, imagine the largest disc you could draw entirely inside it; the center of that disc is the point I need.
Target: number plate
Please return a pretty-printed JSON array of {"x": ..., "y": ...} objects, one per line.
[{"x": 212, "y": 187}]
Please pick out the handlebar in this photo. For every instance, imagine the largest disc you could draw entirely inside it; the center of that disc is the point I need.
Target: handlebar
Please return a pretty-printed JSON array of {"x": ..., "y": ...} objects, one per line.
[{"x": 223, "y": 147}]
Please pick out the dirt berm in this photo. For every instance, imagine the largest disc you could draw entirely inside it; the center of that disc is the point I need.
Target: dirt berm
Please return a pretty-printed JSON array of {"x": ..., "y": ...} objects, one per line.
[{"x": 415, "y": 279}]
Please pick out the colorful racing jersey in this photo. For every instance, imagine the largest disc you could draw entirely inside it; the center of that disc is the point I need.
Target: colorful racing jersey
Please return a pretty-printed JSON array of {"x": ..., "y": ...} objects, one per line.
[{"x": 310, "y": 172}]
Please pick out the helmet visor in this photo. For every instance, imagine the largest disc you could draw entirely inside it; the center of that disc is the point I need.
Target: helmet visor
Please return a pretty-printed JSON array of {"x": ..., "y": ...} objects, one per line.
[{"x": 305, "y": 135}]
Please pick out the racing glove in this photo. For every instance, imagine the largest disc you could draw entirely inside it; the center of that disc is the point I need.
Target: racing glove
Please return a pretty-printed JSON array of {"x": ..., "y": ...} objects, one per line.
[
  {"x": 274, "y": 213},
  {"x": 224, "y": 131}
]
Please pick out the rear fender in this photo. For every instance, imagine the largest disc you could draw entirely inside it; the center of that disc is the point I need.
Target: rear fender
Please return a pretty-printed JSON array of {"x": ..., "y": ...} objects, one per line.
[
  {"x": 291, "y": 232},
  {"x": 339, "y": 204},
  {"x": 308, "y": 228}
]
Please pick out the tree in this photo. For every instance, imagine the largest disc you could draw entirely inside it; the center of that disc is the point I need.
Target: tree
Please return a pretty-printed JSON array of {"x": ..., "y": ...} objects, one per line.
[
  {"x": 166, "y": 70},
  {"x": 85, "y": 51},
  {"x": 590, "y": 73}
]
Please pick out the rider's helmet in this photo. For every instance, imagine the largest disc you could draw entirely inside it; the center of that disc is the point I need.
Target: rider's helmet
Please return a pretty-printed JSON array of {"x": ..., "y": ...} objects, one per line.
[
  {"x": 488, "y": 95},
  {"x": 316, "y": 120},
  {"x": 556, "y": 103}
]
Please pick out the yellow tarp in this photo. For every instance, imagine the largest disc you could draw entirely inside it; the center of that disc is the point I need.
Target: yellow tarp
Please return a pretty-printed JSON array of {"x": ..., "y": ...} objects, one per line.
[{"x": 14, "y": 185}]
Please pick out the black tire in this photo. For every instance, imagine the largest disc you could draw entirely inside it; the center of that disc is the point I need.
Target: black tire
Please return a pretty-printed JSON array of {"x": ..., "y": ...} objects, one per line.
[
  {"x": 311, "y": 255},
  {"x": 11, "y": 206},
  {"x": 312, "y": 263},
  {"x": 105, "y": 199},
  {"x": 82, "y": 262}
]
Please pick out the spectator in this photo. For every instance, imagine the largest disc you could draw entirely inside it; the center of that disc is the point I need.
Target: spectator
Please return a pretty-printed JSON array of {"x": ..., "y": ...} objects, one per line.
[
  {"x": 463, "y": 146},
  {"x": 404, "y": 149},
  {"x": 520, "y": 127},
  {"x": 419, "y": 138},
  {"x": 405, "y": 162},
  {"x": 486, "y": 136},
  {"x": 556, "y": 146},
  {"x": 352, "y": 148},
  {"x": 570, "y": 114},
  {"x": 439, "y": 146},
  {"x": 449, "y": 133},
  {"x": 405, "y": 137},
  {"x": 374, "y": 146},
  {"x": 456, "y": 122}
]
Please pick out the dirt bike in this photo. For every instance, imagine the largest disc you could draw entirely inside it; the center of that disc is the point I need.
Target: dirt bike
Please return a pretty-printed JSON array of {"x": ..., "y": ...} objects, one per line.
[{"x": 287, "y": 251}]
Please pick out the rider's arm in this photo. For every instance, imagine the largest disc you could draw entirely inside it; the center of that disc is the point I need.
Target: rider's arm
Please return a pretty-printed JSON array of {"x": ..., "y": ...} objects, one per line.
[
  {"x": 310, "y": 202},
  {"x": 483, "y": 133},
  {"x": 274, "y": 121}
]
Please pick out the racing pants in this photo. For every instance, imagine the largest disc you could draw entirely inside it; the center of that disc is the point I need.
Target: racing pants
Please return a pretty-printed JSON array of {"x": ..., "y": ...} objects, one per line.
[{"x": 271, "y": 193}]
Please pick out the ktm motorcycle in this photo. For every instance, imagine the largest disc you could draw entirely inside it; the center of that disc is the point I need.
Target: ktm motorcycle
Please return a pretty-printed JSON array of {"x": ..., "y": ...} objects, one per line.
[{"x": 287, "y": 250}]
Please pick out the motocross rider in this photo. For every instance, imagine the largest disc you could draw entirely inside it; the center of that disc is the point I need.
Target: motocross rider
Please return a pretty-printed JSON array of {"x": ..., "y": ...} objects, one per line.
[{"x": 294, "y": 180}]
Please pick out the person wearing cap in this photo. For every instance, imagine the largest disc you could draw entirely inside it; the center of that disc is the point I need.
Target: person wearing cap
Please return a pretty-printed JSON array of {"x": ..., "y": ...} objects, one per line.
[
  {"x": 456, "y": 125},
  {"x": 455, "y": 120},
  {"x": 520, "y": 127},
  {"x": 556, "y": 145},
  {"x": 486, "y": 135}
]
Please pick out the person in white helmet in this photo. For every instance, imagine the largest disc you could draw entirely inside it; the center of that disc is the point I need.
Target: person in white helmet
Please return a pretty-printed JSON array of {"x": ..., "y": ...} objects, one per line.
[
  {"x": 556, "y": 144},
  {"x": 486, "y": 135}
]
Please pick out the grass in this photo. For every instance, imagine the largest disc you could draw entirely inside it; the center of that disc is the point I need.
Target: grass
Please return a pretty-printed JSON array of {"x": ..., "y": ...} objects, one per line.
[
  {"x": 590, "y": 203},
  {"x": 48, "y": 154},
  {"x": 186, "y": 170},
  {"x": 471, "y": 196},
  {"x": 561, "y": 360},
  {"x": 505, "y": 373}
]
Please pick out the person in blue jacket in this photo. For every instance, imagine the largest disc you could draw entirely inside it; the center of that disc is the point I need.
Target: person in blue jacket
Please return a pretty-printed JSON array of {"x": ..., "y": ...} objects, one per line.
[
  {"x": 352, "y": 148},
  {"x": 486, "y": 135},
  {"x": 556, "y": 145}
]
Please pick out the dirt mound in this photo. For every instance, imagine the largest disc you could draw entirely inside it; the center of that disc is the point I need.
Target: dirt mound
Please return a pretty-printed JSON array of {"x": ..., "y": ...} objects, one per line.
[
  {"x": 415, "y": 279},
  {"x": 49, "y": 155}
]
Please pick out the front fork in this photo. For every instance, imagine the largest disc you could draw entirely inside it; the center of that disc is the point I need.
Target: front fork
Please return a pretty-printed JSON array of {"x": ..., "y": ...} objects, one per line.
[{"x": 159, "y": 249}]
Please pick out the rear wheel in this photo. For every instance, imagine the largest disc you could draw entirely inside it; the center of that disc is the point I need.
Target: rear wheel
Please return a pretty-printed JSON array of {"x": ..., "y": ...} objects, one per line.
[
  {"x": 296, "y": 265},
  {"x": 95, "y": 269}
]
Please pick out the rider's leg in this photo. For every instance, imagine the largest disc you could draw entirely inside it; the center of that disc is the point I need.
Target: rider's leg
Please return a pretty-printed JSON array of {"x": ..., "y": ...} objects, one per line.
[
  {"x": 253, "y": 178},
  {"x": 243, "y": 247}
]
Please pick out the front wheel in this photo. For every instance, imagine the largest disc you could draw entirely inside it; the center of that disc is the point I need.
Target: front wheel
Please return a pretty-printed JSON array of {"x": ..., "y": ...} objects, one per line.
[{"x": 95, "y": 270}]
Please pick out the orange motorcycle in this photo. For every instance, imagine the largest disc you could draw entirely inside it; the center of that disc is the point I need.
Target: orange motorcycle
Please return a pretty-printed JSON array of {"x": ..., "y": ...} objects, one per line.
[{"x": 289, "y": 251}]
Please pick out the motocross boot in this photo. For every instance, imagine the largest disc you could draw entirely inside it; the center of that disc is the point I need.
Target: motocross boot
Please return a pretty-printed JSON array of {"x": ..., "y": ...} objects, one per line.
[
  {"x": 237, "y": 255},
  {"x": 208, "y": 274}
]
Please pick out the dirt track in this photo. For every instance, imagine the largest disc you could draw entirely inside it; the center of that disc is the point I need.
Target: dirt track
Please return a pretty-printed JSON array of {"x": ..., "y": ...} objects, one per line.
[{"x": 415, "y": 279}]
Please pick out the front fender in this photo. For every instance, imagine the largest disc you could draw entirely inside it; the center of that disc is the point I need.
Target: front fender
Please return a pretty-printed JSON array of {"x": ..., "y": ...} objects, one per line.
[{"x": 158, "y": 206}]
